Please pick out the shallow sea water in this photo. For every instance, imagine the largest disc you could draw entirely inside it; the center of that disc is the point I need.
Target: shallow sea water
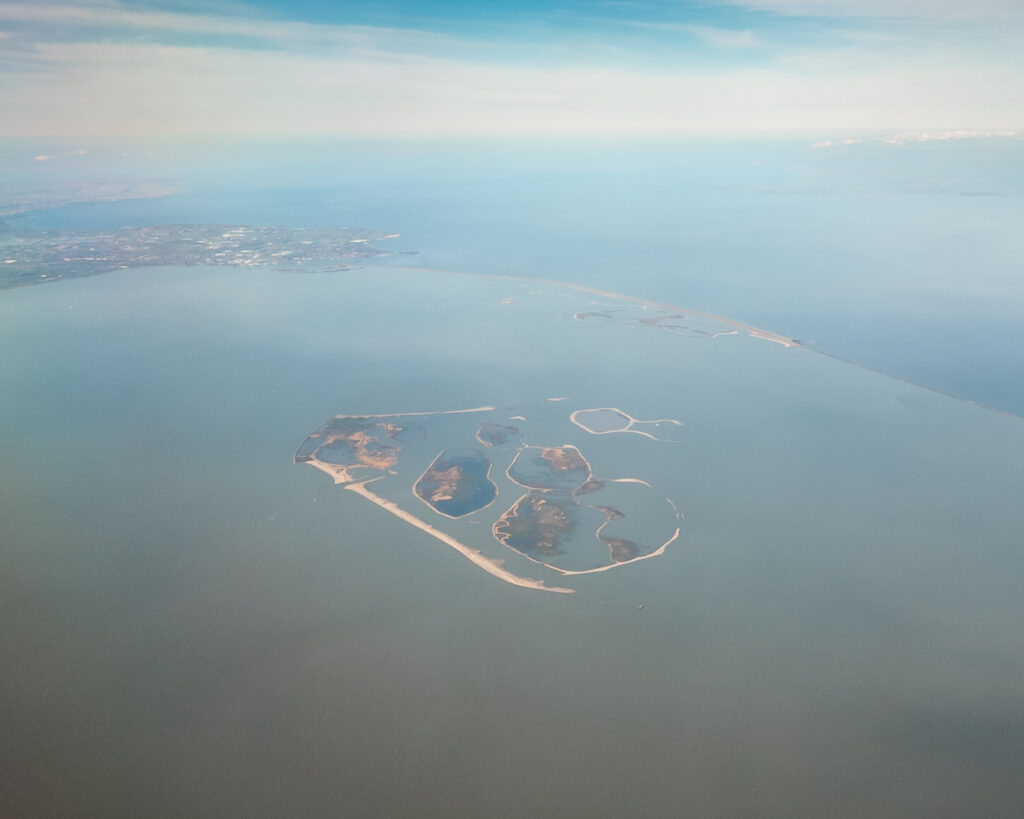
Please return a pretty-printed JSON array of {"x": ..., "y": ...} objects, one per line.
[{"x": 194, "y": 625}]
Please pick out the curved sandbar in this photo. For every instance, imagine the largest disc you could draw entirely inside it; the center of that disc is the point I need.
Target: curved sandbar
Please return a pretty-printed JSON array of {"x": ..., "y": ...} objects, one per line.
[
  {"x": 576, "y": 418},
  {"x": 431, "y": 412},
  {"x": 602, "y": 420},
  {"x": 536, "y": 525},
  {"x": 555, "y": 469},
  {"x": 549, "y": 522},
  {"x": 492, "y": 567},
  {"x": 491, "y": 434},
  {"x": 659, "y": 551}
]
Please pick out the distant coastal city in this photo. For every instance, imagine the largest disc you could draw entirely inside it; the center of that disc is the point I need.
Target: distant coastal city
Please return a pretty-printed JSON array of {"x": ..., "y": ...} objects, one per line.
[
  {"x": 40, "y": 256},
  {"x": 36, "y": 257}
]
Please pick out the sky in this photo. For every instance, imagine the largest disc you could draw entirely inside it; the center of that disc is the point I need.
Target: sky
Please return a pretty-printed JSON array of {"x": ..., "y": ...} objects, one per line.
[{"x": 166, "y": 67}]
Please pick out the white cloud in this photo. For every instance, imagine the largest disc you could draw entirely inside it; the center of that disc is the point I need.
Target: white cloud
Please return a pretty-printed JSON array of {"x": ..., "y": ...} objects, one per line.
[
  {"x": 101, "y": 88},
  {"x": 920, "y": 136},
  {"x": 358, "y": 79},
  {"x": 713, "y": 35},
  {"x": 117, "y": 17},
  {"x": 909, "y": 9}
]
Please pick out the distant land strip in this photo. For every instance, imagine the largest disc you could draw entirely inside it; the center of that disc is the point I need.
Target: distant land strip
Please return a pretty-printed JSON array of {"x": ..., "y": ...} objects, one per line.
[
  {"x": 756, "y": 332},
  {"x": 15, "y": 201}
]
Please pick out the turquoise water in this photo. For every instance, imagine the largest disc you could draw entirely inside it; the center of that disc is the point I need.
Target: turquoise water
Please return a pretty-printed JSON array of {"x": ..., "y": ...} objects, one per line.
[{"x": 194, "y": 625}]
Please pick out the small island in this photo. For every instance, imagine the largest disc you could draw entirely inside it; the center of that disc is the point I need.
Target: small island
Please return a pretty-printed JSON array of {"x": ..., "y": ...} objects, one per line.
[
  {"x": 457, "y": 483},
  {"x": 498, "y": 434},
  {"x": 536, "y": 526},
  {"x": 549, "y": 469},
  {"x": 345, "y": 444}
]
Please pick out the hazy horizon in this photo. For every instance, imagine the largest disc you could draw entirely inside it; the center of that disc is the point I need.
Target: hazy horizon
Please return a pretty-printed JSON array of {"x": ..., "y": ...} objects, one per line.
[{"x": 104, "y": 67}]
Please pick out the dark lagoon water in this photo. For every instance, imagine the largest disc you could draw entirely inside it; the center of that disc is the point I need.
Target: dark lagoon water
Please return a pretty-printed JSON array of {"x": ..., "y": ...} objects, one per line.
[
  {"x": 472, "y": 491},
  {"x": 196, "y": 626}
]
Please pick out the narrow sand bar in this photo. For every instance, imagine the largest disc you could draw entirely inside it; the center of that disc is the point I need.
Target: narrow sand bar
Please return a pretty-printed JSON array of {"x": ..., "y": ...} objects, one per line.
[
  {"x": 755, "y": 332},
  {"x": 409, "y": 414},
  {"x": 492, "y": 567}
]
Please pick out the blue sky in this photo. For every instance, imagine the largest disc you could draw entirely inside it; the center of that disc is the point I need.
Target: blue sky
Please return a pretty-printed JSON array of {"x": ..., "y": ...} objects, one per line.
[{"x": 467, "y": 67}]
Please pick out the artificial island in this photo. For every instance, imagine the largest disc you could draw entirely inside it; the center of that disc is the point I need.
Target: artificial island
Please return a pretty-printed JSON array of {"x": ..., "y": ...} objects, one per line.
[{"x": 436, "y": 470}]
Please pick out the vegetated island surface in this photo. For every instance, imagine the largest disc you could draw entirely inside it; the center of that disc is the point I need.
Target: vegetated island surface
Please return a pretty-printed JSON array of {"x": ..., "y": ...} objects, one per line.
[{"x": 560, "y": 520}]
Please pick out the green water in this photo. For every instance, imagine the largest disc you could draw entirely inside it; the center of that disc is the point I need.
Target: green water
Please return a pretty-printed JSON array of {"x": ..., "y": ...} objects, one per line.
[{"x": 195, "y": 626}]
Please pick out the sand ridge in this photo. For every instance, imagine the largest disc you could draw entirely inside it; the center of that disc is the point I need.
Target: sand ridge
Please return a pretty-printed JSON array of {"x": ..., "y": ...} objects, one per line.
[{"x": 492, "y": 567}]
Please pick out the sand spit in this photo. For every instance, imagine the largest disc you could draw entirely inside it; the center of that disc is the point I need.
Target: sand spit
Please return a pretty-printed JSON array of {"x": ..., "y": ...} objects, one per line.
[
  {"x": 409, "y": 414},
  {"x": 772, "y": 337},
  {"x": 339, "y": 474},
  {"x": 755, "y": 332},
  {"x": 492, "y": 567}
]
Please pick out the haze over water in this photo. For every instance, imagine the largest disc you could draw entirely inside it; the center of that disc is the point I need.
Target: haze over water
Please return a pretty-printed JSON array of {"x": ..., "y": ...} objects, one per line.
[
  {"x": 197, "y": 626},
  {"x": 902, "y": 257}
]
